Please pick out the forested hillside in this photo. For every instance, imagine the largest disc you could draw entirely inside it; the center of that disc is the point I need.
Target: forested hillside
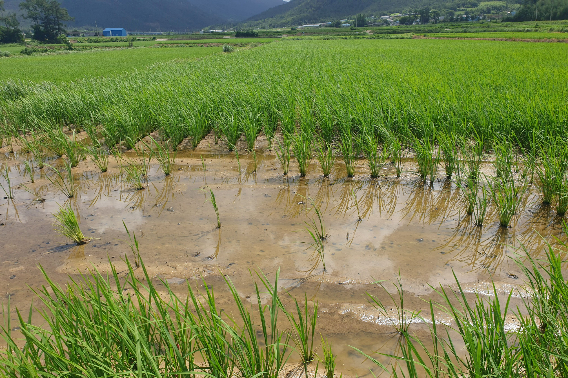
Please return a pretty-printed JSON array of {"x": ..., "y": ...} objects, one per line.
[{"x": 157, "y": 15}]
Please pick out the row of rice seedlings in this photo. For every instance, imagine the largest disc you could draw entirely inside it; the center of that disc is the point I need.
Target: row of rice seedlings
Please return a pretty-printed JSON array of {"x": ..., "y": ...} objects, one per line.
[
  {"x": 124, "y": 325},
  {"x": 536, "y": 349}
]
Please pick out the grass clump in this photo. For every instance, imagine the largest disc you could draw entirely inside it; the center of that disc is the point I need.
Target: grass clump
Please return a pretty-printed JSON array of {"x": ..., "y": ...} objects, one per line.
[{"x": 66, "y": 224}]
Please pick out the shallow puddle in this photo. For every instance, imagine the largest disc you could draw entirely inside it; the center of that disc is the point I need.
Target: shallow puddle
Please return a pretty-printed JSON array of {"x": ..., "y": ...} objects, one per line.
[{"x": 377, "y": 230}]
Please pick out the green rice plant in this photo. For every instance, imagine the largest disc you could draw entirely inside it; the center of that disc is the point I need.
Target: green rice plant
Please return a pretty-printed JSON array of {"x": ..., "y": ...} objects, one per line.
[
  {"x": 301, "y": 144},
  {"x": 8, "y": 188},
  {"x": 251, "y": 126},
  {"x": 255, "y": 161},
  {"x": 470, "y": 190},
  {"x": 164, "y": 156},
  {"x": 318, "y": 234},
  {"x": 238, "y": 160},
  {"x": 203, "y": 163},
  {"x": 325, "y": 157},
  {"x": 397, "y": 154},
  {"x": 64, "y": 182},
  {"x": 283, "y": 153},
  {"x": 99, "y": 155},
  {"x": 473, "y": 154},
  {"x": 505, "y": 160},
  {"x": 562, "y": 201},
  {"x": 506, "y": 196},
  {"x": 480, "y": 207},
  {"x": 66, "y": 224},
  {"x": 375, "y": 159},
  {"x": 134, "y": 247},
  {"x": 553, "y": 159},
  {"x": 427, "y": 158},
  {"x": 328, "y": 358},
  {"x": 29, "y": 169},
  {"x": 214, "y": 203},
  {"x": 450, "y": 152},
  {"x": 348, "y": 151},
  {"x": 63, "y": 145},
  {"x": 135, "y": 175}
]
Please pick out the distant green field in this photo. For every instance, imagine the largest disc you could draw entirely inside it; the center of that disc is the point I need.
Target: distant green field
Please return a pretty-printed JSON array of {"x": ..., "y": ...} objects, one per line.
[
  {"x": 77, "y": 65},
  {"x": 502, "y": 35},
  {"x": 229, "y": 41},
  {"x": 11, "y": 49}
]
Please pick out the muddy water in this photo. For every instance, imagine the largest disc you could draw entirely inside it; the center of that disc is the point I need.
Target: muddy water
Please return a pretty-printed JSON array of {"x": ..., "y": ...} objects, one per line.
[{"x": 377, "y": 230}]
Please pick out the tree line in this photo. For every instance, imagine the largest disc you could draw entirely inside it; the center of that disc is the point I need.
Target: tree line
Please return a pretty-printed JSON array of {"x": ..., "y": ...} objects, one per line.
[{"x": 48, "y": 21}]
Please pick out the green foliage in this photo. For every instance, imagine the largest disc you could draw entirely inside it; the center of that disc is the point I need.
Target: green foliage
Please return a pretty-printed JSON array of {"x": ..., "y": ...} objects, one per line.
[
  {"x": 47, "y": 17},
  {"x": 246, "y": 33},
  {"x": 228, "y": 48}
]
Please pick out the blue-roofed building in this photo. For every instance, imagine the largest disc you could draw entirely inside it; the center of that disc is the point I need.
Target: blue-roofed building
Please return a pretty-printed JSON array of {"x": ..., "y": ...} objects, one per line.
[{"x": 115, "y": 32}]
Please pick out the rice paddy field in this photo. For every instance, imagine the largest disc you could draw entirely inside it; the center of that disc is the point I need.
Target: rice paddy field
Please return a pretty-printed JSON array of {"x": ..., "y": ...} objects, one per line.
[{"x": 357, "y": 207}]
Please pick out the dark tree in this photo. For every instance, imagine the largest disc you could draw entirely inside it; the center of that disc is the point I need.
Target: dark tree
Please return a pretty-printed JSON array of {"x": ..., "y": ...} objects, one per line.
[
  {"x": 360, "y": 20},
  {"x": 48, "y": 18},
  {"x": 9, "y": 27},
  {"x": 424, "y": 15}
]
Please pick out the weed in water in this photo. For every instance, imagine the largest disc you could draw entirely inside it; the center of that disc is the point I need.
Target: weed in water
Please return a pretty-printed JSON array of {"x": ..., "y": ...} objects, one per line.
[
  {"x": 8, "y": 188},
  {"x": 66, "y": 224},
  {"x": 214, "y": 203}
]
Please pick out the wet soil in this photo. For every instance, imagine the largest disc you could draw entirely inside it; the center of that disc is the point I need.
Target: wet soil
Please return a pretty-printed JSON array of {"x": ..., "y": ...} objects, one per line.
[{"x": 378, "y": 232}]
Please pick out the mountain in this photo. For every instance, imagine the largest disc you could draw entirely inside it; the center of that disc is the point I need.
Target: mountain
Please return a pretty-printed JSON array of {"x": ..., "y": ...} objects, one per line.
[
  {"x": 236, "y": 10},
  {"x": 297, "y": 12},
  {"x": 157, "y": 15}
]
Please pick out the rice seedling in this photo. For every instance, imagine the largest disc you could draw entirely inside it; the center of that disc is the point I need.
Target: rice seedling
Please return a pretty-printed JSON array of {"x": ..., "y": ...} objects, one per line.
[
  {"x": 318, "y": 235},
  {"x": 506, "y": 196},
  {"x": 325, "y": 157},
  {"x": 375, "y": 159},
  {"x": 328, "y": 358},
  {"x": 66, "y": 146},
  {"x": 8, "y": 188},
  {"x": 29, "y": 169},
  {"x": 134, "y": 247},
  {"x": 255, "y": 161},
  {"x": 480, "y": 207},
  {"x": 238, "y": 160},
  {"x": 214, "y": 203},
  {"x": 100, "y": 157},
  {"x": 397, "y": 154},
  {"x": 562, "y": 201},
  {"x": 163, "y": 155},
  {"x": 470, "y": 190},
  {"x": 135, "y": 176},
  {"x": 66, "y": 224},
  {"x": 450, "y": 153},
  {"x": 552, "y": 170},
  {"x": 348, "y": 151},
  {"x": 505, "y": 162},
  {"x": 64, "y": 182},
  {"x": 283, "y": 153},
  {"x": 473, "y": 154},
  {"x": 203, "y": 163},
  {"x": 302, "y": 151},
  {"x": 426, "y": 158}
]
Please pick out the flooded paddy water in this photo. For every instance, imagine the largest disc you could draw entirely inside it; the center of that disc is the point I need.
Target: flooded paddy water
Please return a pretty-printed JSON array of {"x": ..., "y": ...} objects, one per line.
[{"x": 378, "y": 231}]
